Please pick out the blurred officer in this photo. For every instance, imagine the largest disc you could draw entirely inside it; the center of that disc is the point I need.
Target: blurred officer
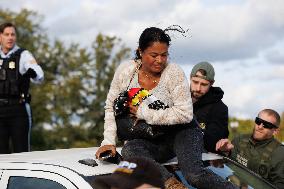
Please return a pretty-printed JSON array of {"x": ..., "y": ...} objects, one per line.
[{"x": 17, "y": 68}]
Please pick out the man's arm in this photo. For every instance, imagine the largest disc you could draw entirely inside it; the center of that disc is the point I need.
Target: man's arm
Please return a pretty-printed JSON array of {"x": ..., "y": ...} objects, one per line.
[{"x": 29, "y": 67}]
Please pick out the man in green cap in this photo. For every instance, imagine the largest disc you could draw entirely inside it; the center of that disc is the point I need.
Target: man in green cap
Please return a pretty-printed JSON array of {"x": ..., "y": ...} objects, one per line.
[
  {"x": 208, "y": 107},
  {"x": 259, "y": 151}
]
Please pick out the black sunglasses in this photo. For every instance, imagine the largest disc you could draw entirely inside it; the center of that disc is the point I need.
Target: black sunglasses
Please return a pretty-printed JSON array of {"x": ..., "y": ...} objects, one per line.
[{"x": 265, "y": 124}]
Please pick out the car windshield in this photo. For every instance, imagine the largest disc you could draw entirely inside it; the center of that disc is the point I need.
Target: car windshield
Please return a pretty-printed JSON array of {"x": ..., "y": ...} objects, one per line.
[
  {"x": 237, "y": 174},
  {"x": 233, "y": 172},
  {"x": 248, "y": 177}
]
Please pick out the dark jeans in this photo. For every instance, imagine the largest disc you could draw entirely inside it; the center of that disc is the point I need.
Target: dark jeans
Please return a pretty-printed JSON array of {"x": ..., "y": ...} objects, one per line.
[{"x": 187, "y": 145}]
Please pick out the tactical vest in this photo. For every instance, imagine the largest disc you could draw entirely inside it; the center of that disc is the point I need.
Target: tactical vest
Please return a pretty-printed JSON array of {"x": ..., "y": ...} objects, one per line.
[
  {"x": 12, "y": 84},
  {"x": 257, "y": 161}
]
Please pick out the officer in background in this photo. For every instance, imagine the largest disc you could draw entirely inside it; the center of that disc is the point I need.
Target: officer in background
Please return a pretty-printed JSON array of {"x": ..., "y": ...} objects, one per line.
[
  {"x": 259, "y": 151},
  {"x": 17, "y": 68},
  {"x": 208, "y": 107}
]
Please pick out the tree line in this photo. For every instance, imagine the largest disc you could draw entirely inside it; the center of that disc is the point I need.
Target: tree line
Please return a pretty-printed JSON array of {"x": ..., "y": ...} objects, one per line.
[{"x": 68, "y": 108}]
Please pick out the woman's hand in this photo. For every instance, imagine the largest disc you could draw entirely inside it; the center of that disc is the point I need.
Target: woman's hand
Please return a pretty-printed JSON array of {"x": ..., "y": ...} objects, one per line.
[
  {"x": 105, "y": 148},
  {"x": 133, "y": 109}
]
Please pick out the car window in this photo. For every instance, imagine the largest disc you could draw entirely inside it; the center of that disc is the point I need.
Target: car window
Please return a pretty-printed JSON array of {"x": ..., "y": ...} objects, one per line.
[
  {"x": 234, "y": 173},
  {"x": 32, "y": 183},
  {"x": 245, "y": 178},
  {"x": 238, "y": 174},
  {"x": 31, "y": 179}
]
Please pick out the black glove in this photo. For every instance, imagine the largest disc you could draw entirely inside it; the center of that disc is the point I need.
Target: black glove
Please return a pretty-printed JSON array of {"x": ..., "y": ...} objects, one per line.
[
  {"x": 30, "y": 73},
  {"x": 120, "y": 102}
]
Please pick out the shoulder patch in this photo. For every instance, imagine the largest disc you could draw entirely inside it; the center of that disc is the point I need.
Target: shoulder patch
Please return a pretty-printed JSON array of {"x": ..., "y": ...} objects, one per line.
[{"x": 262, "y": 170}]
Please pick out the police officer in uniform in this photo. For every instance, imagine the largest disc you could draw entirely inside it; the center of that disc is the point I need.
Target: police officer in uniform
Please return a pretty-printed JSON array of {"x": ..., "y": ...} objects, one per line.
[
  {"x": 208, "y": 107},
  {"x": 17, "y": 68},
  {"x": 260, "y": 151}
]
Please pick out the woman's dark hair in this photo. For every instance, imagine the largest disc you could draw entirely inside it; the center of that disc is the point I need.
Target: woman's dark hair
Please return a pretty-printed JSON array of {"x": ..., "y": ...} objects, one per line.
[{"x": 149, "y": 36}]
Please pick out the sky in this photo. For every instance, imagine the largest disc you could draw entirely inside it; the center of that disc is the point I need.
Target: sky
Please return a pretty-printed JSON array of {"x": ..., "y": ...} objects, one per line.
[{"x": 242, "y": 39}]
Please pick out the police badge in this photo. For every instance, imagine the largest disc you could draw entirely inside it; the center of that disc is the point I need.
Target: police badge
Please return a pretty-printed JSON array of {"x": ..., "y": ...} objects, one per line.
[{"x": 12, "y": 65}]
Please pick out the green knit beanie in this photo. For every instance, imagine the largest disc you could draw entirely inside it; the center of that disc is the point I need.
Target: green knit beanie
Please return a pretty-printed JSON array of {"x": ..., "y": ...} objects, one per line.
[{"x": 207, "y": 67}]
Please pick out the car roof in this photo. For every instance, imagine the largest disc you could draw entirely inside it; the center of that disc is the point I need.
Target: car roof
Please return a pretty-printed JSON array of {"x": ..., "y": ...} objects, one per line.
[{"x": 67, "y": 158}]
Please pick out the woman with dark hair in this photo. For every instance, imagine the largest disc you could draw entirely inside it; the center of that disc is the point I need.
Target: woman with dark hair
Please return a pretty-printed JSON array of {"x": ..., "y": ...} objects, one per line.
[{"x": 171, "y": 110}]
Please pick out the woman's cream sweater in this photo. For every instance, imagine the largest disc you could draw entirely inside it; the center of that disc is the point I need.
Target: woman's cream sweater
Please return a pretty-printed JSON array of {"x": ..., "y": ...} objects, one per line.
[{"x": 172, "y": 89}]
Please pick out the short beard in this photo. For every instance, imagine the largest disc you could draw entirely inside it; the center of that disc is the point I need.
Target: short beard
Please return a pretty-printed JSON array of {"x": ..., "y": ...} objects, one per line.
[{"x": 194, "y": 98}]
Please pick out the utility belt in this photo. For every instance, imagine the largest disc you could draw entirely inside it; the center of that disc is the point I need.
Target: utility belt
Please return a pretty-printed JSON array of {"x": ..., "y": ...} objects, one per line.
[{"x": 15, "y": 100}]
